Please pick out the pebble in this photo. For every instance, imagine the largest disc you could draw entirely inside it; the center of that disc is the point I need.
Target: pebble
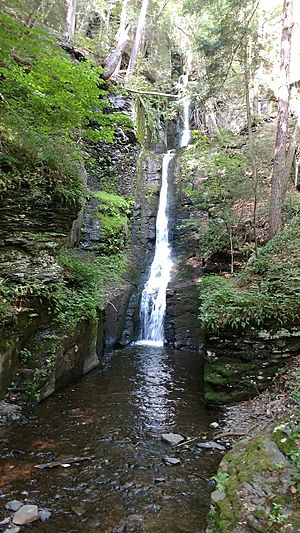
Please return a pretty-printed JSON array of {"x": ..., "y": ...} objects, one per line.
[
  {"x": 4, "y": 521},
  {"x": 171, "y": 460},
  {"x": 214, "y": 425},
  {"x": 26, "y": 515},
  {"x": 211, "y": 445},
  {"x": 172, "y": 438},
  {"x": 44, "y": 515},
  {"x": 160, "y": 480},
  {"x": 13, "y": 505}
]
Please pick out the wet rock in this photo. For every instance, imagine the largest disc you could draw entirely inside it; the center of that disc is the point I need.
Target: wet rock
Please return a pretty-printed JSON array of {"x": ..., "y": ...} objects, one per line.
[
  {"x": 12, "y": 530},
  {"x": 44, "y": 515},
  {"x": 160, "y": 480},
  {"x": 214, "y": 425},
  {"x": 5, "y": 521},
  {"x": 9, "y": 412},
  {"x": 171, "y": 461},
  {"x": 13, "y": 505},
  {"x": 26, "y": 515},
  {"x": 172, "y": 438},
  {"x": 211, "y": 445},
  {"x": 135, "y": 523},
  {"x": 120, "y": 528},
  {"x": 78, "y": 510}
]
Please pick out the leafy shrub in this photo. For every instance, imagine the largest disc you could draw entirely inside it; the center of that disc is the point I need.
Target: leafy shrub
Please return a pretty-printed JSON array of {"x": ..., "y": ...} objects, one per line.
[
  {"x": 48, "y": 103},
  {"x": 114, "y": 215},
  {"x": 267, "y": 289}
]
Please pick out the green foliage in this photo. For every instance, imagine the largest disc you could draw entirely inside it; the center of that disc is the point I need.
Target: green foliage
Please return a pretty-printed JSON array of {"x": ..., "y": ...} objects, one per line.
[
  {"x": 221, "y": 479},
  {"x": 83, "y": 293},
  {"x": 48, "y": 103},
  {"x": 114, "y": 214},
  {"x": 267, "y": 290},
  {"x": 221, "y": 37}
]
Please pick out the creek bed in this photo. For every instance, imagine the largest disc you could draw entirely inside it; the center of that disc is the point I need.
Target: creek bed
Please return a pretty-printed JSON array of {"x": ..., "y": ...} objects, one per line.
[{"x": 116, "y": 416}]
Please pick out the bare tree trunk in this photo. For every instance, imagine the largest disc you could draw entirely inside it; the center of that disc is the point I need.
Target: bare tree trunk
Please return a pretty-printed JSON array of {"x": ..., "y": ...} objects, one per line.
[
  {"x": 137, "y": 40},
  {"x": 113, "y": 59},
  {"x": 231, "y": 250},
  {"x": 255, "y": 174},
  {"x": 71, "y": 17},
  {"x": 279, "y": 167}
]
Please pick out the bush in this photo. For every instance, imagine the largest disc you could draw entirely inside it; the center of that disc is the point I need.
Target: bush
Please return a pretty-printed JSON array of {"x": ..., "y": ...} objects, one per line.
[
  {"x": 267, "y": 290},
  {"x": 48, "y": 103}
]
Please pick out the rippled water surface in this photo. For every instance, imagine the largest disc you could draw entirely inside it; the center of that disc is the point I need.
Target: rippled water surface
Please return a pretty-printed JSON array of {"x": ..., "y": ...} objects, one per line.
[{"x": 116, "y": 417}]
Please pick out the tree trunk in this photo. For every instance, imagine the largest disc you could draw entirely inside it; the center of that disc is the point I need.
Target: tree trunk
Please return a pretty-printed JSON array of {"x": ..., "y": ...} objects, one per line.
[
  {"x": 280, "y": 155},
  {"x": 137, "y": 41},
  {"x": 114, "y": 58},
  {"x": 71, "y": 16}
]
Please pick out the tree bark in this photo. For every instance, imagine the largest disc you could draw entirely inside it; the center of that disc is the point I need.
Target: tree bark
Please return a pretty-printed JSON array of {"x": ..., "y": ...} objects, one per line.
[
  {"x": 138, "y": 39},
  {"x": 71, "y": 17},
  {"x": 114, "y": 58},
  {"x": 280, "y": 155}
]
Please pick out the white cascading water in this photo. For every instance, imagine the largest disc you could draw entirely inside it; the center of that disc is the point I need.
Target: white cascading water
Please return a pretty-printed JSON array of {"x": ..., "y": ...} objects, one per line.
[{"x": 153, "y": 303}]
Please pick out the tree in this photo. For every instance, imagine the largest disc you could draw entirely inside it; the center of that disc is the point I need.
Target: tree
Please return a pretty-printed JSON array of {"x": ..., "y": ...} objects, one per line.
[
  {"x": 138, "y": 39},
  {"x": 71, "y": 17},
  {"x": 114, "y": 58},
  {"x": 280, "y": 167}
]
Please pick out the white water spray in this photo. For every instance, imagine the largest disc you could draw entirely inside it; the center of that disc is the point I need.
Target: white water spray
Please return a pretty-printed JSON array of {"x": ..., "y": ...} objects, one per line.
[{"x": 153, "y": 303}]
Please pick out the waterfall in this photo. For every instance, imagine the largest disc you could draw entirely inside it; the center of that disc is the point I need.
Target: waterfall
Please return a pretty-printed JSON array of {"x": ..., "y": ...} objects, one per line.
[
  {"x": 153, "y": 303},
  {"x": 186, "y": 133}
]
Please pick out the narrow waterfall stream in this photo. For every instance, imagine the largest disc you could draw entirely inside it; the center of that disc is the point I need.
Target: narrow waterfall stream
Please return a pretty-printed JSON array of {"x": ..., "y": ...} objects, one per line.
[{"x": 153, "y": 302}]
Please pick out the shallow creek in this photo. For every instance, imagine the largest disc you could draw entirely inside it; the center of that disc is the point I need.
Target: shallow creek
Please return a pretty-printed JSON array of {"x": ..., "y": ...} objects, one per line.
[{"x": 116, "y": 416}]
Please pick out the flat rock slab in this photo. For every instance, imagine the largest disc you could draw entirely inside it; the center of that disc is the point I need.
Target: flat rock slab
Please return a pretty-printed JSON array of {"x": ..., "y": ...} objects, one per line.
[
  {"x": 171, "y": 461},
  {"x": 172, "y": 438},
  {"x": 13, "y": 505},
  {"x": 211, "y": 445},
  {"x": 26, "y": 515}
]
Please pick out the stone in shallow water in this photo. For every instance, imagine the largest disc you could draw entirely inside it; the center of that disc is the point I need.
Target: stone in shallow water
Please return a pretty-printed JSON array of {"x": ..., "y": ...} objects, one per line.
[
  {"x": 171, "y": 460},
  {"x": 13, "y": 505},
  {"x": 12, "y": 530},
  {"x": 26, "y": 515},
  {"x": 211, "y": 445},
  {"x": 44, "y": 515},
  {"x": 172, "y": 438}
]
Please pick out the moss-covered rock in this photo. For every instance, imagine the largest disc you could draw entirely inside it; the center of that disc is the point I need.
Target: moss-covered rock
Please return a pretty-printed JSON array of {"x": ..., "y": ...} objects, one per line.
[{"x": 256, "y": 478}]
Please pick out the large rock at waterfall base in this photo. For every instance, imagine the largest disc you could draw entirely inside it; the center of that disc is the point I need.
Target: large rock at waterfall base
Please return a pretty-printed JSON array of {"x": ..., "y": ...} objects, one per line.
[{"x": 26, "y": 515}]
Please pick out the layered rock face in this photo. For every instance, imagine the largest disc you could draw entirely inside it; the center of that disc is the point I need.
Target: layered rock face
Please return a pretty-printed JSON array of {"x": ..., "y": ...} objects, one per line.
[
  {"x": 144, "y": 232},
  {"x": 240, "y": 364},
  {"x": 182, "y": 328},
  {"x": 35, "y": 228}
]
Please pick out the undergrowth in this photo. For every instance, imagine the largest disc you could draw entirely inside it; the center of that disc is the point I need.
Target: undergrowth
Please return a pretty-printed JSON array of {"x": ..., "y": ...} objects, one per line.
[
  {"x": 267, "y": 290},
  {"x": 49, "y": 103}
]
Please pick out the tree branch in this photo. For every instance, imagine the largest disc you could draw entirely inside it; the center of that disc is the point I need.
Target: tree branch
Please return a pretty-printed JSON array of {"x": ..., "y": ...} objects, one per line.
[{"x": 153, "y": 93}]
